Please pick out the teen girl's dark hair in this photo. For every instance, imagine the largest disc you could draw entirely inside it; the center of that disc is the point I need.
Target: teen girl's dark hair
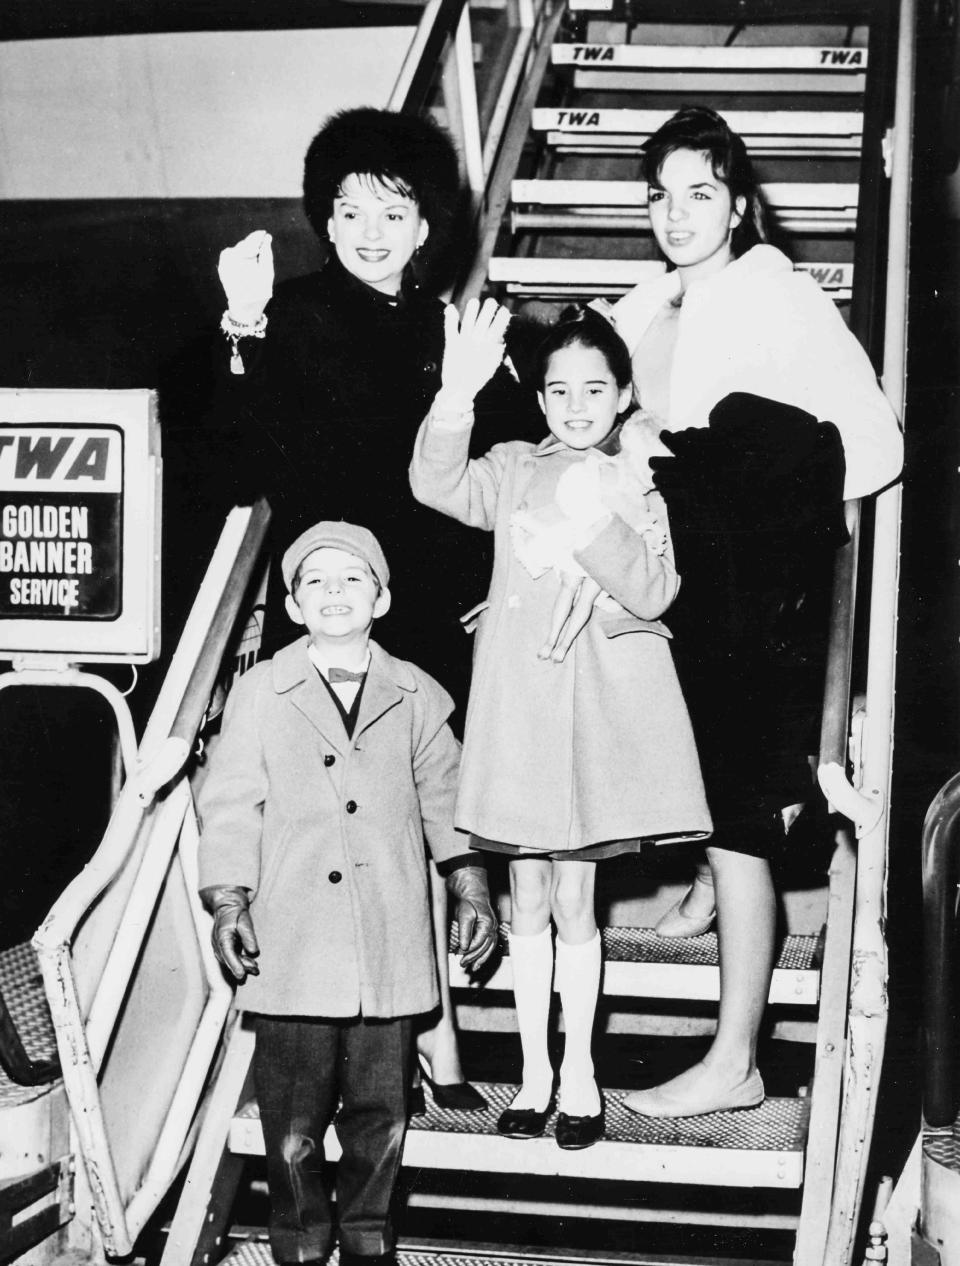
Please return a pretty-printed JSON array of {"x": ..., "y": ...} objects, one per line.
[
  {"x": 701, "y": 129},
  {"x": 409, "y": 154},
  {"x": 582, "y": 327}
]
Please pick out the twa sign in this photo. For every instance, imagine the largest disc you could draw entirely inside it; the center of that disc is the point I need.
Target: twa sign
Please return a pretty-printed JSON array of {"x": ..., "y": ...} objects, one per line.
[{"x": 79, "y": 524}]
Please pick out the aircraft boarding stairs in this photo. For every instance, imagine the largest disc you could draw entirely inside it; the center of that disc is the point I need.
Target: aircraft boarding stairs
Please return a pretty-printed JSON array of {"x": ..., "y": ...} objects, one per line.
[
  {"x": 577, "y": 223},
  {"x": 563, "y": 217},
  {"x": 144, "y": 1020}
]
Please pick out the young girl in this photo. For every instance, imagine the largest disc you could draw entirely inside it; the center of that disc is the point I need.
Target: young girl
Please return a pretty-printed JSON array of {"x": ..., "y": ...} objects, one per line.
[{"x": 567, "y": 758}]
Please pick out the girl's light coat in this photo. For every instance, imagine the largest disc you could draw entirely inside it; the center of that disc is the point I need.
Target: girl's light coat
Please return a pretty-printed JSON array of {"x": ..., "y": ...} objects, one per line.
[
  {"x": 761, "y": 327},
  {"x": 598, "y": 748}
]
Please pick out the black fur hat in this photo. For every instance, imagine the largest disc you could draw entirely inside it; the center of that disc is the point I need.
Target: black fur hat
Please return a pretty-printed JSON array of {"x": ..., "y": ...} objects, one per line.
[{"x": 409, "y": 150}]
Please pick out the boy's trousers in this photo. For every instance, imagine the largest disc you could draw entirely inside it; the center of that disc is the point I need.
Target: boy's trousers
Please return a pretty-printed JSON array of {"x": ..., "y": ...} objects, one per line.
[{"x": 302, "y": 1068}]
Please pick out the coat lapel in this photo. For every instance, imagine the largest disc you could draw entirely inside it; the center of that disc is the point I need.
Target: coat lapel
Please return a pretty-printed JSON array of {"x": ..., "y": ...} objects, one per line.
[
  {"x": 387, "y": 681},
  {"x": 526, "y": 468},
  {"x": 296, "y": 677}
]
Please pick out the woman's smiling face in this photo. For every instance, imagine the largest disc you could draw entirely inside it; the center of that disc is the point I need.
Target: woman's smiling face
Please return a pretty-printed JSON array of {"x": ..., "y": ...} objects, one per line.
[
  {"x": 693, "y": 215},
  {"x": 375, "y": 230}
]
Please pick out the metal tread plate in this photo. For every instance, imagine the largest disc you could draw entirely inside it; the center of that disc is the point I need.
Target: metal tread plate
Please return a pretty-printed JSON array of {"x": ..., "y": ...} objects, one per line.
[
  {"x": 256, "y": 1252},
  {"x": 942, "y": 1146},
  {"x": 640, "y": 964},
  {"x": 22, "y": 988},
  {"x": 761, "y": 1147}
]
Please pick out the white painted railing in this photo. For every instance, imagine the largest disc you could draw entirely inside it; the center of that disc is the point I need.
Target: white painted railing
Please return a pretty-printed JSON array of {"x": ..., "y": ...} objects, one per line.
[
  {"x": 128, "y": 940},
  {"x": 867, "y": 1022}
]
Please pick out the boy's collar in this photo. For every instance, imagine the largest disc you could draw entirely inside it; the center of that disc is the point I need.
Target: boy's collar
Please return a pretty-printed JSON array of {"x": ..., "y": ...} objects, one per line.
[
  {"x": 292, "y": 666},
  {"x": 325, "y": 658}
]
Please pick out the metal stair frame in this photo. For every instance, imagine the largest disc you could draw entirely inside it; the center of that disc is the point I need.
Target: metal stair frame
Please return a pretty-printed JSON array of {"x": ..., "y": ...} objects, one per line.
[
  {"x": 853, "y": 893},
  {"x": 88, "y": 964},
  {"x": 832, "y": 1048}
]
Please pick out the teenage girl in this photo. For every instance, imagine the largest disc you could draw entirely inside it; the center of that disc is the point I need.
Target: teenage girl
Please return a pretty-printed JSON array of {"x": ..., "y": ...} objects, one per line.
[{"x": 732, "y": 316}]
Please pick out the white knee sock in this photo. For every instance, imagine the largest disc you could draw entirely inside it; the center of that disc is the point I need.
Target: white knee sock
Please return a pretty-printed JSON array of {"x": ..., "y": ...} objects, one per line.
[
  {"x": 578, "y": 983},
  {"x": 532, "y": 960}
]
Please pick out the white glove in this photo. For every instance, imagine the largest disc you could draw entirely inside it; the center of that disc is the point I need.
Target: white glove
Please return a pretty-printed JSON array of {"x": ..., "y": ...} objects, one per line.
[
  {"x": 246, "y": 274},
  {"x": 473, "y": 350}
]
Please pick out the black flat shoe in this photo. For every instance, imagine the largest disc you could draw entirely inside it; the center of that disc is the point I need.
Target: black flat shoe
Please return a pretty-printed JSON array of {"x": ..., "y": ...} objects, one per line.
[
  {"x": 457, "y": 1096},
  {"x": 418, "y": 1102},
  {"x": 367, "y": 1259},
  {"x": 523, "y": 1123},
  {"x": 574, "y": 1133}
]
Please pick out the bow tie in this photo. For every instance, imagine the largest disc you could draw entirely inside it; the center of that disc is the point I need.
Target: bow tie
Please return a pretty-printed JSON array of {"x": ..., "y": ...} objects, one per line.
[{"x": 335, "y": 675}]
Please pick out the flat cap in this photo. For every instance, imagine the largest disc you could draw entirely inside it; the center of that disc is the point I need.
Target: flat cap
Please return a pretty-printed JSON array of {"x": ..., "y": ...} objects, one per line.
[{"x": 336, "y": 534}]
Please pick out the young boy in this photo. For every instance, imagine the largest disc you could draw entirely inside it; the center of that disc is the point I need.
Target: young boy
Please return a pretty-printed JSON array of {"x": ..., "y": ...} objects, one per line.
[{"x": 335, "y": 761}]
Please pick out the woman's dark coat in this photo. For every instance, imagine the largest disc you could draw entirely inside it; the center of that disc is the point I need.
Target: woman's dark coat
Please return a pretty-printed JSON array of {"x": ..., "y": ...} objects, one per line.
[
  {"x": 324, "y": 420},
  {"x": 755, "y": 501}
]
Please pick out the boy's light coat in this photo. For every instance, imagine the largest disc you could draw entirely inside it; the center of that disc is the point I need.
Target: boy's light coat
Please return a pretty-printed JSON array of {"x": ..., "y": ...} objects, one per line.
[{"x": 276, "y": 819}]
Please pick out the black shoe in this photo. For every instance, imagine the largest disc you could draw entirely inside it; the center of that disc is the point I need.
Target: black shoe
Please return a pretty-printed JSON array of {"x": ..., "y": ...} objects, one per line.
[
  {"x": 367, "y": 1259},
  {"x": 457, "y": 1096},
  {"x": 573, "y": 1133},
  {"x": 417, "y": 1106},
  {"x": 524, "y": 1123}
]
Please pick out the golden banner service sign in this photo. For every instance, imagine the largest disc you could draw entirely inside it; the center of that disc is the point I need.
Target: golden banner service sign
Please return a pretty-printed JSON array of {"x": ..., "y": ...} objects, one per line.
[{"x": 79, "y": 524}]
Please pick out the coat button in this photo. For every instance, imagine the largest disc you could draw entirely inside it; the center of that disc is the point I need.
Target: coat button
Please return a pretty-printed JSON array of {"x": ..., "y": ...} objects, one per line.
[
  {"x": 334, "y": 876},
  {"x": 351, "y": 806},
  {"x": 430, "y": 367},
  {"x": 328, "y": 760}
]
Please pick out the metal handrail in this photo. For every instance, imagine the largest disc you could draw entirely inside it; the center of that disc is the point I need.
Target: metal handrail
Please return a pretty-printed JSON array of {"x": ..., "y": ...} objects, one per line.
[
  {"x": 941, "y": 874},
  {"x": 139, "y": 817},
  {"x": 867, "y": 1021},
  {"x": 168, "y": 738},
  {"x": 438, "y": 24}
]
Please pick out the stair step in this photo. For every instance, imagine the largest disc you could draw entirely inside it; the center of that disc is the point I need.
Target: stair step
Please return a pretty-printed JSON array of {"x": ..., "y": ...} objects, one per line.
[
  {"x": 762, "y": 1147},
  {"x": 685, "y": 69},
  {"x": 765, "y": 132},
  {"x": 560, "y": 277},
  {"x": 836, "y": 198},
  {"x": 614, "y": 204},
  {"x": 256, "y": 1252},
  {"x": 942, "y": 1145},
  {"x": 640, "y": 964},
  {"x": 797, "y": 57},
  {"x": 569, "y": 276}
]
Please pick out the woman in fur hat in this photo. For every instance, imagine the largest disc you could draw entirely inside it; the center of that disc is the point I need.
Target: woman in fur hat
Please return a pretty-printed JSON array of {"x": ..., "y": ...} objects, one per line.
[{"x": 327, "y": 378}]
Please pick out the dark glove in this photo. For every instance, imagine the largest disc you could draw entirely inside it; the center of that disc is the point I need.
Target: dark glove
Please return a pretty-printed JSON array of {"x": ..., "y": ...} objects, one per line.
[
  {"x": 234, "y": 940},
  {"x": 476, "y": 921}
]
